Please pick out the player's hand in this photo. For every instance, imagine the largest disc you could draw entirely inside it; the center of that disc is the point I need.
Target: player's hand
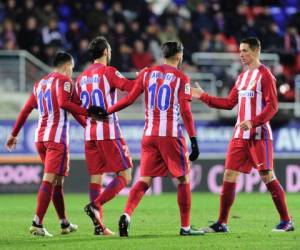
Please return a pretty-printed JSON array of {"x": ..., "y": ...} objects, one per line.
[
  {"x": 198, "y": 91},
  {"x": 11, "y": 143},
  {"x": 97, "y": 113},
  {"x": 245, "y": 125},
  {"x": 138, "y": 72},
  {"x": 195, "y": 149}
]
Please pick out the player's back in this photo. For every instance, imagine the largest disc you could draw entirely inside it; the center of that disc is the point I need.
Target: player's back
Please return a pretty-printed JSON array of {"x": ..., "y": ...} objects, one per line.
[
  {"x": 94, "y": 87},
  {"x": 53, "y": 122},
  {"x": 163, "y": 86}
]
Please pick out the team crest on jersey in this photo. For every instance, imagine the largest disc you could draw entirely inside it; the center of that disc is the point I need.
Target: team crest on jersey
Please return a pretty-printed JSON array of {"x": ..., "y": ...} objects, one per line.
[
  {"x": 187, "y": 89},
  {"x": 67, "y": 87},
  {"x": 251, "y": 84},
  {"x": 118, "y": 74}
]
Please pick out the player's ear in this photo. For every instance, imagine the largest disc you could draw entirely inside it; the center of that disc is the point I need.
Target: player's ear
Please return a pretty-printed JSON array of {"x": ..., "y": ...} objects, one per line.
[{"x": 105, "y": 52}]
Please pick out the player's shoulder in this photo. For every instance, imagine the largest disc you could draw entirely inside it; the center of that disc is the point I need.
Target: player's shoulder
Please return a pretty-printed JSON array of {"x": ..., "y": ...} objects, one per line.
[
  {"x": 264, "y": 69},
  {"x": 266, "y": 72},
  {"x": 114, "y": 71},
  {"x": 183, "y": 76},
  {"x": 62, "y": 77}
]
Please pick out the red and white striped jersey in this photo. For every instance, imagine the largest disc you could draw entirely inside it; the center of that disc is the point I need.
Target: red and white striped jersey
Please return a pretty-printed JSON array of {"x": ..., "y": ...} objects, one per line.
[
  {"x": 53, "y": 124},
  {"x": 167, "y": 93},
  {"x": 255, "y": 93},
  {"x": 97, "y": 85},
  {"x": 164, "y": 86}
]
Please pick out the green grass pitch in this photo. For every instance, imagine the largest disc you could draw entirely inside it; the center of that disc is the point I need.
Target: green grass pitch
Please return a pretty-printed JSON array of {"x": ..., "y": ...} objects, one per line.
[{"x": 155, "y": 224}]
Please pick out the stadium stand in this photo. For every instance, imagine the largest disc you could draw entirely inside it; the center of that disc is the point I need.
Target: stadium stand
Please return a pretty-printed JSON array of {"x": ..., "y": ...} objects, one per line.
[{"x": 135, "y": 29}]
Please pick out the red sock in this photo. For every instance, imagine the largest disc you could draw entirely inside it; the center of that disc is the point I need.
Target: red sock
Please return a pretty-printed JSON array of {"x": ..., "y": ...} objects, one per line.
[
  {"x": 226, "y": 200},
  {"x": 58, "y": 201},
  {"x": 135, "y": 196},
  {"x": 184, "y": 203},
  {"x": 94, "y": 192},
  {"x": 113, "y": 188},
  {"x": 278, "y": 197},
  {"x": 43, "y": 200}
]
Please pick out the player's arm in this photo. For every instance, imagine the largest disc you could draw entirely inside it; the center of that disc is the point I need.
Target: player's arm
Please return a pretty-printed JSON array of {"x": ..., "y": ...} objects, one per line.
[
  {"x": 23, "y": 115},
  {"x": 130, "y": 98},
  {"x": 228, "y": 102},
  {"x": 119, "y": 81},
  {"x": 79, "y": 118},
  {"x": 185, "y": 98},
  {"x": 65, "y": 99},
  {"x": 269, "y": 95}
]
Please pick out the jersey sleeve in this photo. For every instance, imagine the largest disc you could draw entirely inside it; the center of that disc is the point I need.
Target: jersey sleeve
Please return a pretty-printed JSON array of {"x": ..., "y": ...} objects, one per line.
[
  {"x": 119, "y": 81},
  {"x": 30, "y": 104},
  {"x": 131, "y": 97},
  {"x": 269, "y": 95},
  {"x": 79, "y": 118},
  {"x": 185, "y": 88},
  {"x": 228, "y": 102},
  {"x": 185, "y": 97},
  {"x": 65, "y": 91}
]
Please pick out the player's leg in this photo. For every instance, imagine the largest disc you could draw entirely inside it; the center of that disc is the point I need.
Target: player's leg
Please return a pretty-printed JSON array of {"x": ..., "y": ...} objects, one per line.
[
  {"x": 184, "y": 201},
  {"x": 227, "y": 197},
  {"x": 117, "y": 159},
  {"x": 278, "y": 196},
  {"x": 175, "y": 157},
  {"x": 262, "y": 156},
  {"x": 122, "y": 179},
  {"x": 227, "y": 194},
  {"x": 136, "y": 194},
  {"x": 45, "y": 191},
  {"x": 59, "y": 204},
  {"x": 95, "y": 186},
  {"x": 237, "y": 161},
  {"x": 116, "y": 156},
  {"x": 43, "y": 201},
  {"x": 95, "y": 164}
]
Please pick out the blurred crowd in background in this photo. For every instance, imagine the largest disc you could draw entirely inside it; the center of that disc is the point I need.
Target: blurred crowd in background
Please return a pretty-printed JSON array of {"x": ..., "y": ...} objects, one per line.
[{"x": 137, "y": 28}]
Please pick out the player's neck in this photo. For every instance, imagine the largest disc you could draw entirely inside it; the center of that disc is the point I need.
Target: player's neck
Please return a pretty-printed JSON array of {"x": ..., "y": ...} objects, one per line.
[
  {"x": 101, "y": 60},
  {"x": 254, "y": 65},
  {"x": 60, "y": 71},
  {"x": 171, "y": 63}
]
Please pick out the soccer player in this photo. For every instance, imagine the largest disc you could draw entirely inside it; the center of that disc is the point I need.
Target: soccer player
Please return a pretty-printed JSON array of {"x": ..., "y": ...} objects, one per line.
[
  {"x": 52, "y": 95},
  {"x": 167, "y": 93},
  {"x": 251, "y": 146},
  {"x": 105, "y": 148}
]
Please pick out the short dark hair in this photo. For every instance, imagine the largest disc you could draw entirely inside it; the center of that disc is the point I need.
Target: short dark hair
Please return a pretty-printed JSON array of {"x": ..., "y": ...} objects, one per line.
[
  {"x": 97, "y": 46},
  {"x": 253, "y": 42},
  {"x": 171, "y": 48},
  {"x": 61, "y": 57}
]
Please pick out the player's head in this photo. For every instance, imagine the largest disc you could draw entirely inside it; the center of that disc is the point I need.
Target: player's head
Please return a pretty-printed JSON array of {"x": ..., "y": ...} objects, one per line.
[
  {"x": 173, "y": 51},
  {"x": 99, "y": 48},
  {"x": 249, "y": 50},
  {"x": 64, "y": 62}
]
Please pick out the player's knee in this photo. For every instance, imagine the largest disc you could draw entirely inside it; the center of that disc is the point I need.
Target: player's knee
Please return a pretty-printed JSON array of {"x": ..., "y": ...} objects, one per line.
[
  {"x": 59, "y": 181},
  {"x": 126, "y": 174},
  {"x": 230, "y": 176},
  {"x": 128, "y": 179},
  {"x": 49, "y": 177},
  {"x": 267, "y": 176},
  {"x": 147, "y": 180},
  {"x": 96, "y": 179},
  {"x": 183, "y": 179}
]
